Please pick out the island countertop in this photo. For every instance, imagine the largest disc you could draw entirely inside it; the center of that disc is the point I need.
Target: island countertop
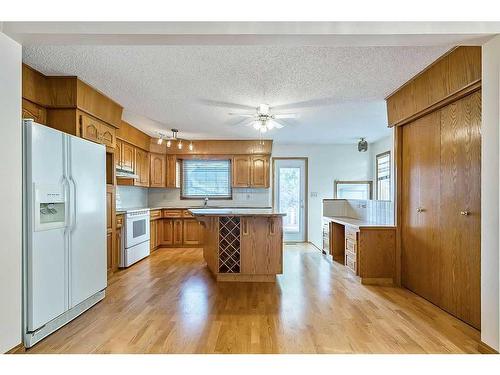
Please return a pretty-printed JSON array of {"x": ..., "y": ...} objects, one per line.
[{"x": 269, "y": 212}]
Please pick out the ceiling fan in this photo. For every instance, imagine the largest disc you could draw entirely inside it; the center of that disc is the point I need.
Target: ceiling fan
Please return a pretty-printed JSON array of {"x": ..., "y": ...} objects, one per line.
[{"x": 263, "y": 120}]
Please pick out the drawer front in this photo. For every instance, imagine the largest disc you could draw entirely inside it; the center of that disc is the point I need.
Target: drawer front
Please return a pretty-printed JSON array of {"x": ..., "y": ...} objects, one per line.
[
  {"x": 350, "y": 245},
  {"x": 186, "y": 213},
  {"x": 350, "y": 233},
  {"x": 172, "y": 213},
  {"x": 119, "y": 221},
  {"x": 350, "y": 263},
  {"x": 155, "y": 214},
  {"x": 351, "y": 254}
]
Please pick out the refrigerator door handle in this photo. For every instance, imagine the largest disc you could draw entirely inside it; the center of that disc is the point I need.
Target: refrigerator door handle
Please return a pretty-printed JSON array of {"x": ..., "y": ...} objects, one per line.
[{"x": 73, "y": 203}]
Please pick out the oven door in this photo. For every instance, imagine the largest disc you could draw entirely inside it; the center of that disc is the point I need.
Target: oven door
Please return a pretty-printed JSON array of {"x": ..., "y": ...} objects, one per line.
[{"x": 137, "y": 230}]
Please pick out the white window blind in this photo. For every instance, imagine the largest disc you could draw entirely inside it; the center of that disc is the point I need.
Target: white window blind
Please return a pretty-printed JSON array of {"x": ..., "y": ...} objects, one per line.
[
  {"x": 206, "y": 178},
  {"x": 384, "y": 176}
]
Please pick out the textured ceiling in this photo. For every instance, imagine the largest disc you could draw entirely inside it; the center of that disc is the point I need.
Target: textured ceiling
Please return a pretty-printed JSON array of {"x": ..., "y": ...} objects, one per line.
[{"x": 338, "y": 92}]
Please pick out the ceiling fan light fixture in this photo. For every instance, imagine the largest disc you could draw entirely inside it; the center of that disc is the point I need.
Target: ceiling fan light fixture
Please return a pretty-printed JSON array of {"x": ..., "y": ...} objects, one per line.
[{"x": 256, "y": 125}]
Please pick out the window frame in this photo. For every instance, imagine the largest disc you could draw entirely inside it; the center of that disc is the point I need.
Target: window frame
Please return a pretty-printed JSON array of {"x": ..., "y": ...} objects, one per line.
[
  {"x": 360, "y": 182},
  {"x": 377, "y": 157},
  {"x": 212, "y": 197}
]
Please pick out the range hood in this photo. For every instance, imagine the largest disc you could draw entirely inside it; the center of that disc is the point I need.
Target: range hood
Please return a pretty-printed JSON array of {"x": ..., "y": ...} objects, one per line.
[{"x": 123, "y": 173}]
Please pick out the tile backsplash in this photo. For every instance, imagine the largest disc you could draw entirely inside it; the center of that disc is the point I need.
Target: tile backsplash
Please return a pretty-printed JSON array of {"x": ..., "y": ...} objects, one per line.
[
  {"x": 242, "y": 197},
  {"x": 381, "y": 212},
  {"x": 131, "y": 197}
]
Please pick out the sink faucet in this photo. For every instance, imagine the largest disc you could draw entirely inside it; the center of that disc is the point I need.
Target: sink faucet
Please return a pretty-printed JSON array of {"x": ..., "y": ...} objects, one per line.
[{"x": 205, "y": 204}]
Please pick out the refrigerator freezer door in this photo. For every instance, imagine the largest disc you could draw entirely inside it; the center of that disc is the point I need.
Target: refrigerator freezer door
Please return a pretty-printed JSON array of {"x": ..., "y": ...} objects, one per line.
[
  {"x": 46, "y": 257},
  {"x": 88, "y": 219}
]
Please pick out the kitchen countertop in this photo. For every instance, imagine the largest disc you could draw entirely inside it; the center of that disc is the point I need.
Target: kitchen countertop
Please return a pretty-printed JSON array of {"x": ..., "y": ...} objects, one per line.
[
  {"x": 357, "y": 222},
  {"x": 122, "y": 211},
  {"x": 235, "y": 212}
]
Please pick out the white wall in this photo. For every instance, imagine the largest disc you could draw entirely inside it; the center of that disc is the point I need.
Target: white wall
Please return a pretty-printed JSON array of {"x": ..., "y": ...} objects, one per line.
[
  {"x": 490, "y": 194},
  {"x": 10, "y": 191},
  {"x": 326, "y": 163}
]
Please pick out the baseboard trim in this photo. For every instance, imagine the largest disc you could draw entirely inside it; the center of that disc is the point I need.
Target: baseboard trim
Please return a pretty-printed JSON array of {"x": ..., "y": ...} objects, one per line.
[{"x": 485, "y": 348}]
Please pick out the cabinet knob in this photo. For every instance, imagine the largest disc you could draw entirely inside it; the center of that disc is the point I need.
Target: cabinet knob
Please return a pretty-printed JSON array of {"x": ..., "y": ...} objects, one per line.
[
  {"x": 420, "y": 209},
  {"x": 464, "y": 213}
]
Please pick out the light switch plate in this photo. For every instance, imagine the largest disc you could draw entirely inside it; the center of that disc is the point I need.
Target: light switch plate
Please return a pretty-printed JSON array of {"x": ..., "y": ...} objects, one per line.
[{"x": 314, "y": 194}]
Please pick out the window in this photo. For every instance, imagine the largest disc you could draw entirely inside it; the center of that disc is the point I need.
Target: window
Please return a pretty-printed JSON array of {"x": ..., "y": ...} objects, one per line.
[
  {"x": 384, "y": 176},
  {"x": 206, "y": 178},
  {"x": 353, "y": 190}
]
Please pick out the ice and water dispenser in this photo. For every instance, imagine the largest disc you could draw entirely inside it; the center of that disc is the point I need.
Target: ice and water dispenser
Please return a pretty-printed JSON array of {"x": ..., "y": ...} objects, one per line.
[{"x": 50, "y": 207}]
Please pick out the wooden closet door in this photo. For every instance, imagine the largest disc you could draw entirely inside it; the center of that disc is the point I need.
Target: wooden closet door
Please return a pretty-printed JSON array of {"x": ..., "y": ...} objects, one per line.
[
  {"x": 420, "y": 266},
  {"x": 461, "y": 209}
]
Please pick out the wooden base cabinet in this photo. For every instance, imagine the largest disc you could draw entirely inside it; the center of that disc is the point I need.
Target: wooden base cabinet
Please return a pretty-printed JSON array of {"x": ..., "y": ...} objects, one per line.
[{"x": 180, "y": 232}]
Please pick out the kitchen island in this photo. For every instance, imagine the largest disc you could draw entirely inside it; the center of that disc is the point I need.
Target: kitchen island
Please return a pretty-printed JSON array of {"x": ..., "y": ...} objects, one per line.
[{"x": 242, "y": 244}]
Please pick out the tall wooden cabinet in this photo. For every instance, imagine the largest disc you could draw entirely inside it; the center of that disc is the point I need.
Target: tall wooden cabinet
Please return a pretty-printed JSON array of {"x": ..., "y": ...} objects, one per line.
[{"x": 438, "y": 162}]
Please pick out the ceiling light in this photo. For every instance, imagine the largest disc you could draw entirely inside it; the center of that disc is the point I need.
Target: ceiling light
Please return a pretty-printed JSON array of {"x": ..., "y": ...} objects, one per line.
[
  {"x": 160, "y": 141},
  {"x": 169, "y": 143},
  {"x": 191, "y": 146},
  {"x": 179, "y": 145},
  {"x": 256, "y": 125}
]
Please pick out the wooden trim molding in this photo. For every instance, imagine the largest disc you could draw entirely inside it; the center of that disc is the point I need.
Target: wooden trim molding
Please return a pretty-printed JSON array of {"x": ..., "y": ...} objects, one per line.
[
  {"x": 485, "y": 348},
  {"x": 463, "y": 92},
  {"x": 216, "y": 147}
]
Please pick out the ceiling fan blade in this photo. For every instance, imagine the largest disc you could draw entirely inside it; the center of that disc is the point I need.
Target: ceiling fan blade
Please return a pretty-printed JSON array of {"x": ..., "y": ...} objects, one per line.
[
  {"x": 286, "y": 115},
  {"x": 218, "y": 103},
  {"x": 277, "y": 124},
  {"x": 244, "y": 122},
  {"x": 241, "y": 114}
]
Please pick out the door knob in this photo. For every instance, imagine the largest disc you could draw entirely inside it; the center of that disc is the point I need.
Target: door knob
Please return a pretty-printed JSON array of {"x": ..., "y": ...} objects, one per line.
[{"x": 464, "y": 213}]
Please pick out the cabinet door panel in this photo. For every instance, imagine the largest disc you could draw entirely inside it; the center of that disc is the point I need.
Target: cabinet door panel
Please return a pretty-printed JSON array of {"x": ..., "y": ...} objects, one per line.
[
  {"x": 259, "y": 171},
  {"x": 167, "y": 232},
  {"x": 107, "y": 135},
  {"x": 142, "y": 167},
  {"x": 171, "y": 171},
  {"x": 153, "y": 234},
  {"x": 460, "y": 208},
  {"x": 241, "y": 171},
  {"x": 191, "y": 232},
  {"x": 109, "y": 251},
  {"x": 118, "y": 154},
  {"x": 128, "y": 157},
  {"x": 420, "y": 261},
  {"x": 157, "y": 170},
  {"x": 90, "y": 128},
  {"x": 177, "y": 228}
]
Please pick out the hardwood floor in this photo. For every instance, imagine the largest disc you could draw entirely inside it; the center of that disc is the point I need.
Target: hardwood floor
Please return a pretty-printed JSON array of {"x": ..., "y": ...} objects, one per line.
[{"x": 169, "y": 303}]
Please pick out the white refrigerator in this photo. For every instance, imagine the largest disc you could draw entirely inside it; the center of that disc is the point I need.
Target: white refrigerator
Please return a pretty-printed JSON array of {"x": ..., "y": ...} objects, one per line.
[{"x": 64, "y": 228}]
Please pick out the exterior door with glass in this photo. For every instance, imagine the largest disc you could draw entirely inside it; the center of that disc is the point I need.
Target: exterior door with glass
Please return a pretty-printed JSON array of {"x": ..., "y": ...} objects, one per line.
[{"x": 290, "y": 195}]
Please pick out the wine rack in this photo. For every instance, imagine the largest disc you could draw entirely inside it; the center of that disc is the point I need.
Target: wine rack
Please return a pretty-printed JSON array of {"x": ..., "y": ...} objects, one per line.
[{"x": 229, "y": 244}]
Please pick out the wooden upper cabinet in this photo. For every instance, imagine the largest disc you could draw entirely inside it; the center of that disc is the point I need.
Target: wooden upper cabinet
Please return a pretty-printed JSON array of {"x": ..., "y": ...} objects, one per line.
[
  {"x": 157, "y": 177},
  {"x": 34, "y": 111},
  {"x": 241, "y": 171},
  {"x": 171, "y": 171},
  {"x": 89, "y": 128},
  {"x": 259, "y": 171},
  {"x": 97, "y": 131},
  {"x": 118, "y": 154},
  {"x": 142, "y": 167},
  {"x": 455, "y": 72},
  {"x": 128, "y": 157}
]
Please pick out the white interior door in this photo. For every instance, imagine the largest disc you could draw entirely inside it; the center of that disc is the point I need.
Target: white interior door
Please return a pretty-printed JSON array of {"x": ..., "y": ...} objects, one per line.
[
  {"x": 290, "y": 195},
  {"x": 88, "y": 219}
]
